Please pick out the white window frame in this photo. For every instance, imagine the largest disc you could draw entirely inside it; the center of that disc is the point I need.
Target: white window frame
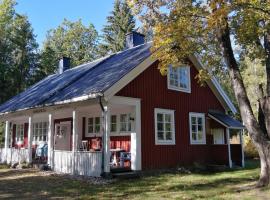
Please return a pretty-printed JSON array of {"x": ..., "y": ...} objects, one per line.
[
  {"x": 164, "y": 142},
  {"x": 127, "y": 123},
  {"x": 19, "y": 135},
  {"x": 116, "y": 123},
  {"x": 223, "y": 138},
  {"x": 179, "y": 88},
  {"x": 40, "y": 130},
  {"x": 197, "y": 115},
  {"x": 91, "y": 134}
]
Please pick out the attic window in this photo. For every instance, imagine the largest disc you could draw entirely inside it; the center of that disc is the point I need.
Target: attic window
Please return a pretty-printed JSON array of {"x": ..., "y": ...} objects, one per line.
[{"x": 179, "y": 78}]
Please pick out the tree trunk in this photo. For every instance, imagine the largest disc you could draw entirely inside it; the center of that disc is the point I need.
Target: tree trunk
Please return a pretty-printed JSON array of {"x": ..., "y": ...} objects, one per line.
[{"x": 258, "y": 136}]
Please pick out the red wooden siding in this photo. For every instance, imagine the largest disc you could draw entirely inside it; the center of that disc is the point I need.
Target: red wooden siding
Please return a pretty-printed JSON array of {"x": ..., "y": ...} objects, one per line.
[{"x": 151, "y": 88}]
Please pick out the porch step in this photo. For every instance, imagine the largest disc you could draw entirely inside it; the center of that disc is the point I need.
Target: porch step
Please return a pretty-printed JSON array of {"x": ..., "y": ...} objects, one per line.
[{"x": 126, "y": 175}]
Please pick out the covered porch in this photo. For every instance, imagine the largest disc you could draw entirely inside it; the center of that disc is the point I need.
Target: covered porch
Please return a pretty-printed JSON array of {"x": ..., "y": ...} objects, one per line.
[
  {"x": 85, "y": 138},
  {"x": 226, "y": 139}
]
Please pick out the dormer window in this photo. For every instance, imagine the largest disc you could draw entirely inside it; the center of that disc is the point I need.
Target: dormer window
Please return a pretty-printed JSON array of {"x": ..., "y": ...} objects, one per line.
[{"x": 179, "y": 78}]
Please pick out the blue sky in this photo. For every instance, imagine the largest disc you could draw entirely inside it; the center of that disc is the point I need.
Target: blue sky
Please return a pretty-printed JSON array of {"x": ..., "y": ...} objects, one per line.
[{"x": 47, "y": 14}]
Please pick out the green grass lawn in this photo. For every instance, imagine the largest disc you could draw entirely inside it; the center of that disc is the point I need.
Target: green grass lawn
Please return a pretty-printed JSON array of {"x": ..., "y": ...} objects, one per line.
[{"x": 233, "y": 184}]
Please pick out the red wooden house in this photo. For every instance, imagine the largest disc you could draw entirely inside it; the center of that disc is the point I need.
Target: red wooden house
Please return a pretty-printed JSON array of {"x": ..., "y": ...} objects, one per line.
[{"x": 119, "y": 111}]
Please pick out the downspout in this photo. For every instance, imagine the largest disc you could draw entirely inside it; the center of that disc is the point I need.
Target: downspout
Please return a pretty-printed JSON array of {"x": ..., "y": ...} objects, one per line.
[{"x": 103, "y": 135}]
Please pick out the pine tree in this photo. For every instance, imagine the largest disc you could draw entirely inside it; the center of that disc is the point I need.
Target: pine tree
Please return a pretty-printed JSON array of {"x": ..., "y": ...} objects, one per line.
[{"x": 119, "y": 23}]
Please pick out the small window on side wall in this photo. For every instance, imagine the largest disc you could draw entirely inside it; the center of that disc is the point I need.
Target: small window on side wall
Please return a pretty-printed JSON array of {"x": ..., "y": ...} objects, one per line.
[
  {"x": 197, "y": 128},
  {"x": 179, "y": 79},
  {"x": 164, "y": 127},
  {"x": 218, "y": 136}
]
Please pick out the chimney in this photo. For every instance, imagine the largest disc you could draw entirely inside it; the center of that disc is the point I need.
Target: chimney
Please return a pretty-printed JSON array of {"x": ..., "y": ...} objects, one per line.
[
  {"x": 134, "y": 39},
  {"x": 64, "y": 64}
]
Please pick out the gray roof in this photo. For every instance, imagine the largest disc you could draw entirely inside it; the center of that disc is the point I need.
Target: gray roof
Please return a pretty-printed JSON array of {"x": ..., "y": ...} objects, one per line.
[
  {"x": 226, "y": 120},
  {"x": 90, "y": 78}
]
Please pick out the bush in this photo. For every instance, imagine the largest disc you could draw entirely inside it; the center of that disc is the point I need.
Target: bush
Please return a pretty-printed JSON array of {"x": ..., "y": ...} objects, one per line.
[{"x": 249, "y": 148}]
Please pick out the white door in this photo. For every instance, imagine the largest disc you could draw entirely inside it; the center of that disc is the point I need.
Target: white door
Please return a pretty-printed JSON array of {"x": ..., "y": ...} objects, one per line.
[
  {"x": 62, "y": 136},
  {"x": 218, "y": 135}
]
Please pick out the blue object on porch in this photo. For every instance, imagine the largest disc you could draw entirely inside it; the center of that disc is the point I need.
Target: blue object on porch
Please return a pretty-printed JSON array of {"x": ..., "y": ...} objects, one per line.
[
  {"x": 226, "y": 120},
  {"x": 42, "y": 150},
  {"x": 92, "y": 78}
]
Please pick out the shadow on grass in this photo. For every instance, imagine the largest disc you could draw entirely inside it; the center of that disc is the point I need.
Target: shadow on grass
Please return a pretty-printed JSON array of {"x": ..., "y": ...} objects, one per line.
[{"x": 196, "y": 185}]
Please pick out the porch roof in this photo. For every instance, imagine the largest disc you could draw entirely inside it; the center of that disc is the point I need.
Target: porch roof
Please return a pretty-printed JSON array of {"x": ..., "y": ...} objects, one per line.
[
  {"x": 226, "y": 120},
  {"x": 90, "y": 79}
]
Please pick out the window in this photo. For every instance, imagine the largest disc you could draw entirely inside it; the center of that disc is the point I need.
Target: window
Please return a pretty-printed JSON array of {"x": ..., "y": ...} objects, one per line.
[
  {"x": 40, "y": 131},
  {"x": 164, "y": 127},
  {"x": 19, "y": 133},
  {"x": 197, "y": 128},
  {"x": 125, "y": 122},
  {"x": 179, "y": 78},
  {"x": 218, "y": 135},
  {"x": 113, "y": 123},
  {"x": 93, "y": 125}
]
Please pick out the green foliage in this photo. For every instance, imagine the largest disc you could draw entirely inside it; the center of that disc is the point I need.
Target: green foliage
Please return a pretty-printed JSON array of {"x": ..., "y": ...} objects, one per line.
[
  {"x": 70, "y": 39},
  {"x": 18, "y": 49},
  {"x": 253, "y": 74},
  {"x": 249, "y": 148},
  {"x": 119, "y": 23}
]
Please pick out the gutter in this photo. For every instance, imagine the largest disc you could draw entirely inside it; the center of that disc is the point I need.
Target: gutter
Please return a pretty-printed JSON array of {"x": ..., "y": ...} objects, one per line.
[{"x": 103, "y": 135}]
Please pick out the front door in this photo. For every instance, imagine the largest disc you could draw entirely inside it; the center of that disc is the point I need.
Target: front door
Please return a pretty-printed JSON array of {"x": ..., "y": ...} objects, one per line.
[{"x": 62, "y": 136}]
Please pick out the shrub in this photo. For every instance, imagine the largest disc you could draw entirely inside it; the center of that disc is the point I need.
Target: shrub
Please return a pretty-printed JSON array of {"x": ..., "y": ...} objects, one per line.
[{"x": 249, "y": 148}]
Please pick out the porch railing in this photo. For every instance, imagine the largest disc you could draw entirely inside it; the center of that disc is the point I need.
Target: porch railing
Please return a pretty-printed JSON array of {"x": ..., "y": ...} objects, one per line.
[
  {"x": 85, "y": 163},
  {"x": 13, "y": 155}
]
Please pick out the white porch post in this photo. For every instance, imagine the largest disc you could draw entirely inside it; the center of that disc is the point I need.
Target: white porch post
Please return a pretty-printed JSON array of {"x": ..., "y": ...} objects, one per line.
[
  {"x": 136, "y": 140},
  {"x": 74, "y": 137},
  {"x": 242, "y": 147},
  {"x": 30, "y": 139},
  {"x": 6, "y": 140},
  {"x": 50, "y": 141},
  {"x": 229, "y": 146},
  {"x": 106, "y": 139}
]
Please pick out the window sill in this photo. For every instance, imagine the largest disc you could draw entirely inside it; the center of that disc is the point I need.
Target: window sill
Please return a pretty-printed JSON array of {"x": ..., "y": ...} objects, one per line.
[
  {"x": 179, "y": 89},
  {"x": 165, "y": 143}
]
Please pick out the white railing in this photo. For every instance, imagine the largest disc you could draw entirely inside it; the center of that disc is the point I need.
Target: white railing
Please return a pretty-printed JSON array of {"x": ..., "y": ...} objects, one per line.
[
  {"x": 85, "y": 163},
  {"x": 13, "y": 155}
]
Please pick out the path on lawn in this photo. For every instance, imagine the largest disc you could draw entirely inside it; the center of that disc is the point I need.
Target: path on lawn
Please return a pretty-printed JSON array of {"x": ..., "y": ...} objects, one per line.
[{"x": 32, "y": 184}]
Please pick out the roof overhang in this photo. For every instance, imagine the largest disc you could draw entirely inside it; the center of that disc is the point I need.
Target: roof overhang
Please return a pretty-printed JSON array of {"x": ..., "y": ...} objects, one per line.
[{"x": 226, "y": 120}]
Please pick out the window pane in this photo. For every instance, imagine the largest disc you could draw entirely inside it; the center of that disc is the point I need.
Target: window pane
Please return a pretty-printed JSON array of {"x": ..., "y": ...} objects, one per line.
[
  {"x": 199, "y": 127},
  {"x": 193, "y": 120},
  {"x": 160, "y": 136},
  {"x": 167, "y": 118},
  {"x": 160, "y": 117},
  {"x": 199, "y": 120},
  {"x": 123, "y": 118},
  {"x": 168, "y": 127},
  {"x": 183, "y": 73},
  {"x": 90, "y": 129},
  {"x": 113, "y": 119},
  {"x": 123, "y": 127},
  {"x": 113, "y": 127},
  {"x": 200, "y": 135},
  {"x": 90, "y": 121},
  {"x": 194, "y": 128},
  {"x": 194, "y": 136},
  {"x": 160, "y": 127},
  {"x": 168, "y": 135}
]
